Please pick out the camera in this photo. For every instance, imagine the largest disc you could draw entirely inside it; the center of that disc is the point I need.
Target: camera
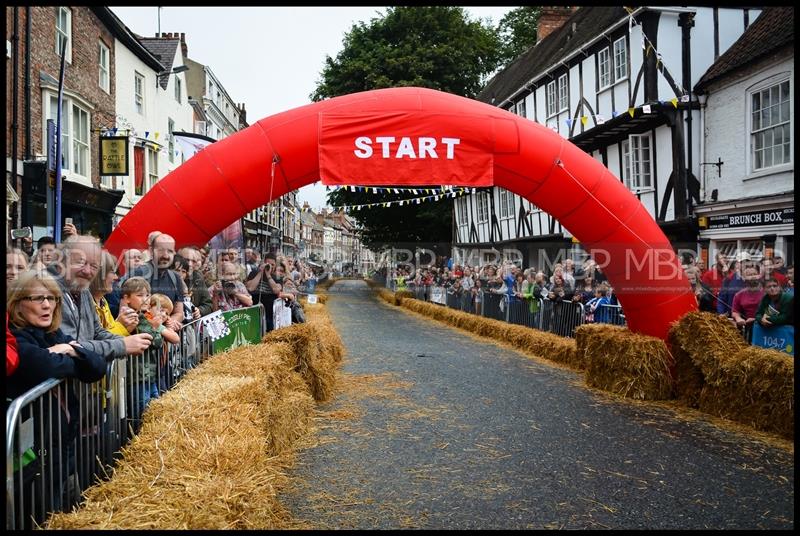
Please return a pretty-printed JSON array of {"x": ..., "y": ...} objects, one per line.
[{"x": 228, "y": 286}]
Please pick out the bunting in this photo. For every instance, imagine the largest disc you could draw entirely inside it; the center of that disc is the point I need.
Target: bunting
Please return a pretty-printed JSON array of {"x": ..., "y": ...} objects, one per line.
[{"x": 402, "y": 202}]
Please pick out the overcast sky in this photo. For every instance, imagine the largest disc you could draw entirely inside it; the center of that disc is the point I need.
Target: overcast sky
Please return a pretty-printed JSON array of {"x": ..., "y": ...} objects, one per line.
[{"x": 269, "y": 58}]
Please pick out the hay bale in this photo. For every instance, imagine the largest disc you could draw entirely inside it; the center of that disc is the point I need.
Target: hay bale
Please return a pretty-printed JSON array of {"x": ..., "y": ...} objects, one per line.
[
  {"x": 315, "y": 365},
  {"x": 285, "y": 403},
  {"x": 213, "y": 451},
  {"x": 387, "y": 296},
  {"x": 198, "y": 462},
  {"x": 755, "y": 387},
  {"x": 743, "y": 383},
  {"x": 626, "y": 363},
  {"x": 708, "y": 339},
  {"x": 689, "y": 381},
  {"x": 401, "y": 295}
]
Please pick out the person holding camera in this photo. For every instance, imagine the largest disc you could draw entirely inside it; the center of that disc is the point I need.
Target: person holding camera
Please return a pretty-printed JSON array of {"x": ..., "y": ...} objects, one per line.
[
  {"x": 228, "y": 292},
  {"x": 265, "y": 286}
]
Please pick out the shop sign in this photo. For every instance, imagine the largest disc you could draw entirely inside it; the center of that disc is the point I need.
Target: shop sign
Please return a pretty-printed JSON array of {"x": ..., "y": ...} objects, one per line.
[
  {"x": 114, "y": 155},
  {"x": 778, "y": 216}
]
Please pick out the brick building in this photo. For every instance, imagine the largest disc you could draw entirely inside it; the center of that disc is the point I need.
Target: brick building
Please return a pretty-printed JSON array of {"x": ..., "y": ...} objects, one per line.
[{"x": 34, "y": 36}]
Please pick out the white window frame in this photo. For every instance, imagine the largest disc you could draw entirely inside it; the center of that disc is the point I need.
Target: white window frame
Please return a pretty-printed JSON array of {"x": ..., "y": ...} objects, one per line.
[
  {"x": 171, "y": 138},
  {"x": 483, "y": 207},
  {"x": 620, "y": 64},
  {"x": 604, "y": 68},
  {"x": 138, "y": 92},
  {"x": 551, "y": 99},
  {"x": 633, "y": 152},
  {"x": 522, "y": 109},
  {"x": 80, "y": 141},
  {"x": 64, "y": 33},
  {"x": 76, "y": 149},
  {"x": 152, "y": 168},
  {"x": 178, "y": 89},
  {"x": 506, "y": 204},
  {"x": 761, "y": 88},
  {"x": 462, "y": 213},
  {"x": 563, "y": 93},
  {"x": 104, "y": 71}
]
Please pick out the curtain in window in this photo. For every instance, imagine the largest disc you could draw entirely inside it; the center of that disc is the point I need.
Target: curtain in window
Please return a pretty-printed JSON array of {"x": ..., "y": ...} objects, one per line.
[{"x": 138, "y": 170}]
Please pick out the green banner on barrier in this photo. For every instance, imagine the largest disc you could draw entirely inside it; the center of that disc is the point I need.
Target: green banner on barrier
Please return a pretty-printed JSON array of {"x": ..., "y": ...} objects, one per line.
[{"x": 245, "y": 328}]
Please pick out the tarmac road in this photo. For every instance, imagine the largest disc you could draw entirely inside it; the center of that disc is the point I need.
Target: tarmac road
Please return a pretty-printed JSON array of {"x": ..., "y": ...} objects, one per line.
[{"x": 437, "y": 429}]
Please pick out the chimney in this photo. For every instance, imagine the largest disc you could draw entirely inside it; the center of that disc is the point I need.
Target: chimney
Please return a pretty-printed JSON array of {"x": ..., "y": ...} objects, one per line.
[
  {"x": 306, "y": 206},
  {"x": 551, "y": 19},
  {"x": 184, "y": 48}
]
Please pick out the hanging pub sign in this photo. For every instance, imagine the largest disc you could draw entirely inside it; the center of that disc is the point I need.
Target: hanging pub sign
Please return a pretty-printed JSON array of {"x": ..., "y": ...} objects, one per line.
[
  {"x": 748, "y": 219},
  {"x": 114, "y": 155}
]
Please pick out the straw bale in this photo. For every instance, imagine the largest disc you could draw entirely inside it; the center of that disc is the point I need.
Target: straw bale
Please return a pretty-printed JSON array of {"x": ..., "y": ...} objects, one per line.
[
  {"x": 709, "y": 340},
  {"x": 755, "y": 387},
  {"x": 198, "y": 462},
  {"x": 626, "y": 363},
  {"x": 689, "y": 381},
  {"x": 401, "y": 295},
  {"x": 315, "y": 365},
  {"x": 743, "y": 383},
  {"x": 212, "y": 452},
  {"x": 387, "y": 296}
]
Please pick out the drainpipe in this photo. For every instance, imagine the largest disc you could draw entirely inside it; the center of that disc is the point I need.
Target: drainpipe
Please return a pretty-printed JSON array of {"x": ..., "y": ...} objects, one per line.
[
  {"x": 28, "y": 153},
  {"x": 14, "y": 113},
  {"x": 702, "y": 100}
]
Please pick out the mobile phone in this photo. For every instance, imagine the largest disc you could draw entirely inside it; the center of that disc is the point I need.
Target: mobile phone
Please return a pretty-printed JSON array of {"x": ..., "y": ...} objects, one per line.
[
  {"x": 23, "y": 232},
  {"x": 67, "y": 221}
]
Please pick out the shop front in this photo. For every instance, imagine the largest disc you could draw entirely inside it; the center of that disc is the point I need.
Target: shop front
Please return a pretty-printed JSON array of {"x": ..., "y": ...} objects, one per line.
[
  {"x": 761, "y": 227},
  {"x": 92, "y": 210}
]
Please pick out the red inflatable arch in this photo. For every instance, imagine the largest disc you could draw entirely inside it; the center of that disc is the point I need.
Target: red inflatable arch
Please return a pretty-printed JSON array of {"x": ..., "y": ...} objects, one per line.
[{"x": 415, "y": 136}]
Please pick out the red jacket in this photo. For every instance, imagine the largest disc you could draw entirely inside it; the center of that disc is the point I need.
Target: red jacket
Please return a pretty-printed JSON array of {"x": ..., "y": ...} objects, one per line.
[
  {"x": 713, "y": 279},
  {"x": 12, "y": 356}
]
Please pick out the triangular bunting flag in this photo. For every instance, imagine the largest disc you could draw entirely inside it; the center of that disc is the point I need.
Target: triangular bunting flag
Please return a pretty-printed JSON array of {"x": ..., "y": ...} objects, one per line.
[
  {"x": 631, "y": 111},
  {"x": 568, "y": 121},
  {"x": 157, "y": 133},
  {"x": 674, "y": 102},
  {"x": 646, "y": 109},
  {"x": 584, "y": 119}
]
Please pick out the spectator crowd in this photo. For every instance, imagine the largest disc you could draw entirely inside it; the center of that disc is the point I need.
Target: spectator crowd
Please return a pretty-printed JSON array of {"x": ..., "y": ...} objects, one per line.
[
  {"x": 73, "y": 307},
  {"x": 742, "y": 290}
]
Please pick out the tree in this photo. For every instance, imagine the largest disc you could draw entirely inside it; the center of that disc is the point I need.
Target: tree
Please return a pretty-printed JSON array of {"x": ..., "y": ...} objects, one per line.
[
  {"x": 517, "y": 32},
  {"x": 436, "y": 47}
]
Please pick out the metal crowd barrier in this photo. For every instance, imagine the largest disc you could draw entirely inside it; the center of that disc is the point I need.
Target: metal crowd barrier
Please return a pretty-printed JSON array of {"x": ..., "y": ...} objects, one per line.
[
  {"x": 45, "y": 470},
  {"x": 526, "y": 312},
  {"x": 494, "y": 305},
  {"x": 561, "y": 317},
  {"x": 558, "y": 317}
]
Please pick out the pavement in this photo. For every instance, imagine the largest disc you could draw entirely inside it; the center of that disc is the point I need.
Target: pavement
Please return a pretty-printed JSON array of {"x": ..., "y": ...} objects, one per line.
[{"x": 433, "y": 428}]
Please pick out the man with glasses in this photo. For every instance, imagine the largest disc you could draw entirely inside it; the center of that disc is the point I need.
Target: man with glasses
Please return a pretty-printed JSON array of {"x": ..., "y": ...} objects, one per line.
[{"x": 81, "y": 261}]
